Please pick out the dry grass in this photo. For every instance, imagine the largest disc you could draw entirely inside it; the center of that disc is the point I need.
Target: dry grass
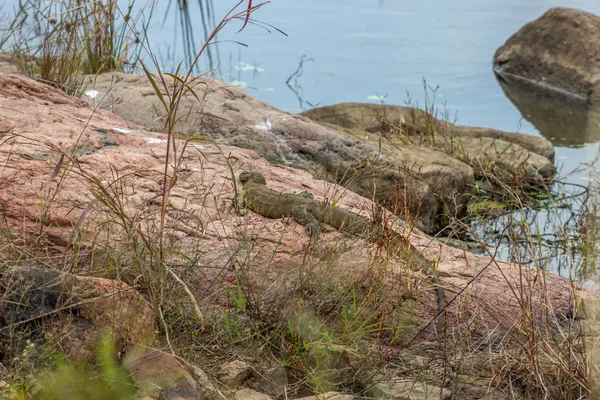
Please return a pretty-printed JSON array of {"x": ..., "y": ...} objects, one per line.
[
  {"x": 332, "y": 324},
  {"x": 59, "y": 42}
]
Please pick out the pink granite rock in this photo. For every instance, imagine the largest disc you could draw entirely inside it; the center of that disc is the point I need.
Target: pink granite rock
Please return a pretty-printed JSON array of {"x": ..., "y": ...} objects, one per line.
[{"x": 58, "y": 157}]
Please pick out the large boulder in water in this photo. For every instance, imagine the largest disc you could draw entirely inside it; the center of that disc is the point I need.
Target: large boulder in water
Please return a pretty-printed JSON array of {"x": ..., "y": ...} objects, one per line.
[{"x": 559, "y": 51}]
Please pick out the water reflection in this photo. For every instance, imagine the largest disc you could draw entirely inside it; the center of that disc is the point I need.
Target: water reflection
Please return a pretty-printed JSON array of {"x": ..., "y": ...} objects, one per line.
[
  {"x": 563, "y": 119},
  {"x": 187, "y": 24},
  {"x": 559, "y": 223},
  {"x": 294, "y": 86}
]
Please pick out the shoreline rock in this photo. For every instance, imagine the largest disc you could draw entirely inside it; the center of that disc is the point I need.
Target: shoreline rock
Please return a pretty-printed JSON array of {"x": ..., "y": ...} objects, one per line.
[
  {"x": 200, "y": 219},
  {"x": 426, "y": 143},
  {"x": 558, "y": 51},
  {"x": 425, "y": 184},
  {"x": 59, "y": 127}
]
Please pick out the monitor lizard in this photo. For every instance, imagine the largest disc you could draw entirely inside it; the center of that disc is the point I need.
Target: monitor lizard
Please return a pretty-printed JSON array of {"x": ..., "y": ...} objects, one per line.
[{"x": 311, "y": 213}]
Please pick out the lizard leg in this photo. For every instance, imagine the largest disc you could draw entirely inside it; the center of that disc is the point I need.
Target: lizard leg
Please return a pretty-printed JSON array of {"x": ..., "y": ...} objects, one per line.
[
  {"x": 306, "y": 194},
  {"x": 303, "y": 215},
  {"x": 239, "y": 204}
]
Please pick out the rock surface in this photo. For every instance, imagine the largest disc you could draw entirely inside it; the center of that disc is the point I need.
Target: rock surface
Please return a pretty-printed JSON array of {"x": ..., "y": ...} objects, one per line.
[
  {"x": 506, "y": 161},
  {"x": 533, "y": 144},
  {"x": 329, "y": 396},
  {"x": 161, "y": 375},
  {"x": 506, "y": 154},
  {"x": 200, "y": 216},
  {"x": 374, "y": 118},
  {"x": 84, "y": 310},
  {"x": 233, "y": 374},
  {"x": 249, "y": 394},
  {"x": 408, "y": 390},
  {"x": 9, "y": 64},
  {"x": 230, "y": 116},
  {"x": 560, "y": 51},
  {"x": 274, "y": 381},
  {"x": 418, "y": 182},
  {"x": 63, "y": 155}
]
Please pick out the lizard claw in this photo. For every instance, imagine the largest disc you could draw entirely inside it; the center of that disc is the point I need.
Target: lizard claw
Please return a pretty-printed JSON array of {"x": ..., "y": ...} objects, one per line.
[
  {"x": 306, "y": 194},
  {"x": 239, "y": 204},
  {"x": 312, "y": 230}
]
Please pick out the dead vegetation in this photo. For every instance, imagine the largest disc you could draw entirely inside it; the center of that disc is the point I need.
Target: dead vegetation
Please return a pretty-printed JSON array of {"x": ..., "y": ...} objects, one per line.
[{"x": 331, "y": 322}]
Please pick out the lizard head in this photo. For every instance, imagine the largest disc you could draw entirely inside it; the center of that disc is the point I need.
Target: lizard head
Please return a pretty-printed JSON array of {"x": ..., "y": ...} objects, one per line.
[{"x": 252, "y": 176}]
